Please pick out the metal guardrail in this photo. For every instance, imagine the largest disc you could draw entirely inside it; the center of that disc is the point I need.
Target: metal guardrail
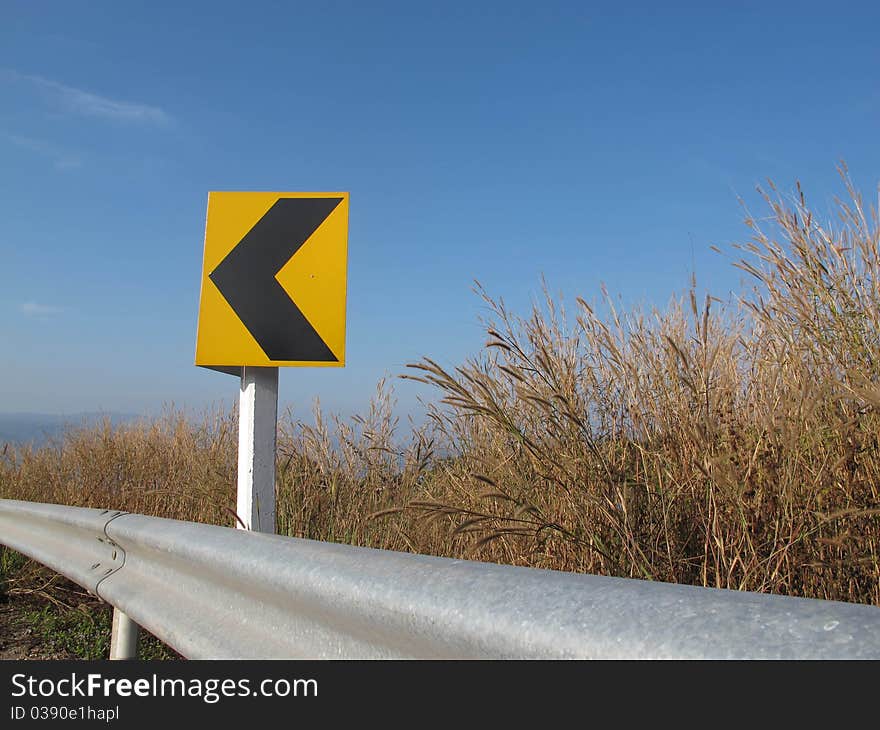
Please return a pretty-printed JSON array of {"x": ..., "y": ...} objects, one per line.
[{"x": 216, "y": 592}]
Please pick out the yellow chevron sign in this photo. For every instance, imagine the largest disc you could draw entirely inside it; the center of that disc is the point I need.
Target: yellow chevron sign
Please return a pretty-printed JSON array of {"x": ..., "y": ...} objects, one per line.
[{"x": 273, "y": 280}]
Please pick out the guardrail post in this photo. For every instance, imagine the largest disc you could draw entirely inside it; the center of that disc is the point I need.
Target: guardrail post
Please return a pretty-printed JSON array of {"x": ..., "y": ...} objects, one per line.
[{"x": 123, "y": 636}]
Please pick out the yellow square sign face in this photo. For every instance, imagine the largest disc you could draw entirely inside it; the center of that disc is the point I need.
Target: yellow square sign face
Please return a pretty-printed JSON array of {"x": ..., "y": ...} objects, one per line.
[{"x": 273, "y": 280}]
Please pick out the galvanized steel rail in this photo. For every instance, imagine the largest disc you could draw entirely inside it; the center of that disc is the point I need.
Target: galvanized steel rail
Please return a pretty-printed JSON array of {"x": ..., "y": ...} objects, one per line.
[{"x": 216, "y": 592}]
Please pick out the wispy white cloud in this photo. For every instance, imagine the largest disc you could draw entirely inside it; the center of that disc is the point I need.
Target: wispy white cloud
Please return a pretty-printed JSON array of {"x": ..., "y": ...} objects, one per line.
[
  {"x": 86, "y": 103},
  {"x": 32, "y": 309},
  {"x": 68, "y": 163},
  {"x": 61, "y": 159}
]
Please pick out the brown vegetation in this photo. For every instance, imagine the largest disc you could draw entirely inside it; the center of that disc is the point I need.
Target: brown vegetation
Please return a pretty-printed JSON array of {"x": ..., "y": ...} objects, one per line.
[{"x": 722, "y": 443}]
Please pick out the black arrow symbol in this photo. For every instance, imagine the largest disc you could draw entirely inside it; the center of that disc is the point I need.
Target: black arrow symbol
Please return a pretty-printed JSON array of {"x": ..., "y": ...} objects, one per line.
[{"x": 246, "y": 278}]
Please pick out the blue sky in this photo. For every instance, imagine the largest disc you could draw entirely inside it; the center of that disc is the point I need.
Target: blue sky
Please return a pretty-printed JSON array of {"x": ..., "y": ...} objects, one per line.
[{"x": 588, "y": 142}]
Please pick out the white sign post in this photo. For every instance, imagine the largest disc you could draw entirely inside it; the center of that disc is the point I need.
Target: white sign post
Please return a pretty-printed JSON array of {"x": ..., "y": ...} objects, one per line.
[{"x": 257, "y": 426}]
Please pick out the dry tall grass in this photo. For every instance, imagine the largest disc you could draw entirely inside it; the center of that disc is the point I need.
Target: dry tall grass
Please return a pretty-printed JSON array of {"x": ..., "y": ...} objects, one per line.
[{"x": 730, "y": 444}]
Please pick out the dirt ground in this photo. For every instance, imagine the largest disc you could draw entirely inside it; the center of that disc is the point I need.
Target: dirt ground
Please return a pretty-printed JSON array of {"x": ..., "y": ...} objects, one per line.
[{"x": 17, "y": 639}]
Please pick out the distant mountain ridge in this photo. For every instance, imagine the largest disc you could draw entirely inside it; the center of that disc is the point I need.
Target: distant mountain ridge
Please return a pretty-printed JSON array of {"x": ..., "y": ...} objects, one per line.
[{"x": 39, "y": 428}]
